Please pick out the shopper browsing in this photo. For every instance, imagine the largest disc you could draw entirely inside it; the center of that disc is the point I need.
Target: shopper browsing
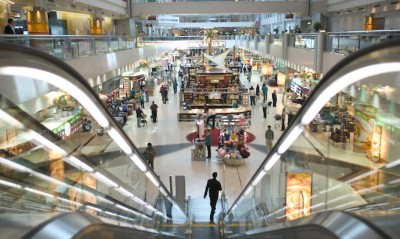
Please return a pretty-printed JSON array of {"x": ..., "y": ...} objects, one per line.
[{"x": 269, "y": 137}]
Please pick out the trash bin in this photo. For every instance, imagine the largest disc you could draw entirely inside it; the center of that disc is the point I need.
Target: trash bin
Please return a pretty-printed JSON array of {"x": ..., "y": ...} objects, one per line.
[{"x": 100, "y": 131}]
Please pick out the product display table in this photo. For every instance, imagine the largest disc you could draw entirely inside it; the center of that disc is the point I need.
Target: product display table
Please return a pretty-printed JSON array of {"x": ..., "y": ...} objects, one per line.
[
  {"x": 234, "y": 161},
  {"x": 199, "y": 152},
  {"x": 236, "y": 120}
]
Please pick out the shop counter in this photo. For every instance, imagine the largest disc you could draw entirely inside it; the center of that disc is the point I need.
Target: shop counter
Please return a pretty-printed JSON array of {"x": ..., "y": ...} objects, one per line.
[
  {"x": 191, "y": 115},
  {"x": 63, "y": 125}
]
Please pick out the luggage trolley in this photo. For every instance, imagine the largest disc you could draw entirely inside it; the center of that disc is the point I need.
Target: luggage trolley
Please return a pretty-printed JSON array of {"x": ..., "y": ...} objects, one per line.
[{"x": 278, "y": 119}]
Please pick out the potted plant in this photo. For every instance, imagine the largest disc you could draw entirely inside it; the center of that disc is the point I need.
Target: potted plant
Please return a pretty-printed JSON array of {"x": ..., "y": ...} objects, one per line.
[{"x": 317, "y": 26}]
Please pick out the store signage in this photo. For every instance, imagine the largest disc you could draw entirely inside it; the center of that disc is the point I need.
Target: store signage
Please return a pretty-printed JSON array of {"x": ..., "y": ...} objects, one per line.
[{"x": 167, "y": 19}]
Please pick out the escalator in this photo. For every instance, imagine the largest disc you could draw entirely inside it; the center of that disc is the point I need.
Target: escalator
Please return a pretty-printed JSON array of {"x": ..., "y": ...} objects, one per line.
[{"x": 58, "y": 181}]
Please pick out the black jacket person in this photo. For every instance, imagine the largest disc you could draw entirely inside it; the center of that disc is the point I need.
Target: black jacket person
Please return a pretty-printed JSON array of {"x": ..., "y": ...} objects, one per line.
[{"x": 213, "y": 187}]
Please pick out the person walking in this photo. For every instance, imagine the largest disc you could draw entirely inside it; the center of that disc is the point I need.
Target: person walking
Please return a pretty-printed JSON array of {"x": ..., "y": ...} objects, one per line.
[
  {"x": 139, "y": 114},
  {"x": 154, "y": 108},
  {"x": 258, "y": 90},
  {"x": 149, "y": 154},
  {"x": 213, "y": 187},
  {"x": 208, "y": 143},
  {"x": 164, "y": 94},
  {"x": 175, "y": 86},
  {"x": 252, "y": 94},
  {"x": 274, "y": 98},
  {"x": 265, "y": 91},
  {"x": 269, "y": 137},
  {"x": 264, "y": 106},
  {"x": 142, "y": 96},
  {"x": 283, "y": 117}
]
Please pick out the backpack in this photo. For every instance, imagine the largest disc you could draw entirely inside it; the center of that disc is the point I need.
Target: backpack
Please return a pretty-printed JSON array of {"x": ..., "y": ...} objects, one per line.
[{"x": 245, "y": 153}]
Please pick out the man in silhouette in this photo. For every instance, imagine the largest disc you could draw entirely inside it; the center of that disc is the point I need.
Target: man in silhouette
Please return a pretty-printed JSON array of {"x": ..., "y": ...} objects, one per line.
[
  {"x": 9, "y": 28},
  {"x": 213, "y": 187}
]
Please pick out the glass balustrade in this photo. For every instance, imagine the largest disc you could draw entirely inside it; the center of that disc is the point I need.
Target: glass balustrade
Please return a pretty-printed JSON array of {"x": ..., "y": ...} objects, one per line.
[
  {"x": 61, "y": 150},
  {"x": 341, "y": 151},
  {"x": 306, "y": 41},
  {"x": 71, "y": 47},
  {"x": 346, "y": 43}
]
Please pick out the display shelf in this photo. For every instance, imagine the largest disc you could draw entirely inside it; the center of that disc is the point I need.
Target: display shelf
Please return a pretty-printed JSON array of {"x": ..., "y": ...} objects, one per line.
[{"x": 295, "y": 86}]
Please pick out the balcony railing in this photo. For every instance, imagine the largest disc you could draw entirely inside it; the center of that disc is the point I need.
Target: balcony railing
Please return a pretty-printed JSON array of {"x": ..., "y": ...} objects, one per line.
[{"x": 75, "y": 46}]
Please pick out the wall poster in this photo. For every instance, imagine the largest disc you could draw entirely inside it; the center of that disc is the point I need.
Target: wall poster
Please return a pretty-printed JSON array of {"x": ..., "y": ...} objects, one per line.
[{"x": 298, "y": 195}]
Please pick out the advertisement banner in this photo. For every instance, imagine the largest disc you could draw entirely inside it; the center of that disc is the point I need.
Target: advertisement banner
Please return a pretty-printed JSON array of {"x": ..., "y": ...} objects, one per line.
[{"x": 298, "y": 195}]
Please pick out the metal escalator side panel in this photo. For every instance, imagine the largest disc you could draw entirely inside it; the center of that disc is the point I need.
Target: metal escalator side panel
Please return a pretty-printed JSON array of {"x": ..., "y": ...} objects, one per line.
[
  {"x": 92, "y": 186},
  {"x": 325, "y": 225}
]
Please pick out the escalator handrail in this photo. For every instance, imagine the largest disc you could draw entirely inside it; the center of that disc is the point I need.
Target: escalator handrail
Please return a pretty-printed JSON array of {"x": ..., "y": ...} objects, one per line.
[
  {"x": 331, "y": 223},
  {"x": 77, "y": 225}
]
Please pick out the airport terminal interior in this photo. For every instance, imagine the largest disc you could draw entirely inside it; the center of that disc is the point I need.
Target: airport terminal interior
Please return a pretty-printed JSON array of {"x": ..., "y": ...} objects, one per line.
[{"x": 117, "y": 117}]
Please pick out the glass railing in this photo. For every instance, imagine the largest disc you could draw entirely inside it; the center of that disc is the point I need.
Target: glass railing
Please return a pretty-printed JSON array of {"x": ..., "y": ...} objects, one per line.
[
  {"x": 340, "y": 152},
  {"x": 72, "y": 46},
  {"x": 218, "y": 18},
  {"x": 61, "y": 151},
  {"x": 346, "y": 43},
  {"x": 305, "y": 41},
  {"x": 277, "y": 40},
  {"x": 183, "y": 1}
]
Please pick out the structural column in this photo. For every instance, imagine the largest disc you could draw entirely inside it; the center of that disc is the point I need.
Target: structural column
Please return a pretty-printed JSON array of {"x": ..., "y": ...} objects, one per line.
[{"x": 319, "y": 51}]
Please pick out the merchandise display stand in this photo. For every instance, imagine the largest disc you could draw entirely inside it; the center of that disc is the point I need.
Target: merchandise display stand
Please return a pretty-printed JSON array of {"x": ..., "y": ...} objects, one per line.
[
  {"x": 199, "y": 152},
  {"x": 234, "y": 152}
]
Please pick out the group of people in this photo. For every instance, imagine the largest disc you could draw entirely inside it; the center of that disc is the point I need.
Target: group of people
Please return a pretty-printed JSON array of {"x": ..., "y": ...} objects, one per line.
[{"x": 141, "y": 116}]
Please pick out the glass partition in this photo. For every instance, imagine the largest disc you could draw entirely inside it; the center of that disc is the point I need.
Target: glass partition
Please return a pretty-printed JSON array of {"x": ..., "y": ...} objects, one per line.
[
  {"x": 61, "y": 151},
  {"x": 341, "y": 151}
]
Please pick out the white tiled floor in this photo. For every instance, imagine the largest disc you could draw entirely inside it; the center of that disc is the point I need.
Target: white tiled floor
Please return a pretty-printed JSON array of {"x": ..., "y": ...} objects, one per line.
[{"x": 168, "y": 131}]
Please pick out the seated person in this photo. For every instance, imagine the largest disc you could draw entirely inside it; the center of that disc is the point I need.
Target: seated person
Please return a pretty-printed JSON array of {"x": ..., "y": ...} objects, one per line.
[{"x": 235, "y": 104}]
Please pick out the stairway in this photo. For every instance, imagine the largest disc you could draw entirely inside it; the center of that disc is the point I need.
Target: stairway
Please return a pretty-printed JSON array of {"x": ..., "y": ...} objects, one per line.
[{"x": 200, "y": 219}]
